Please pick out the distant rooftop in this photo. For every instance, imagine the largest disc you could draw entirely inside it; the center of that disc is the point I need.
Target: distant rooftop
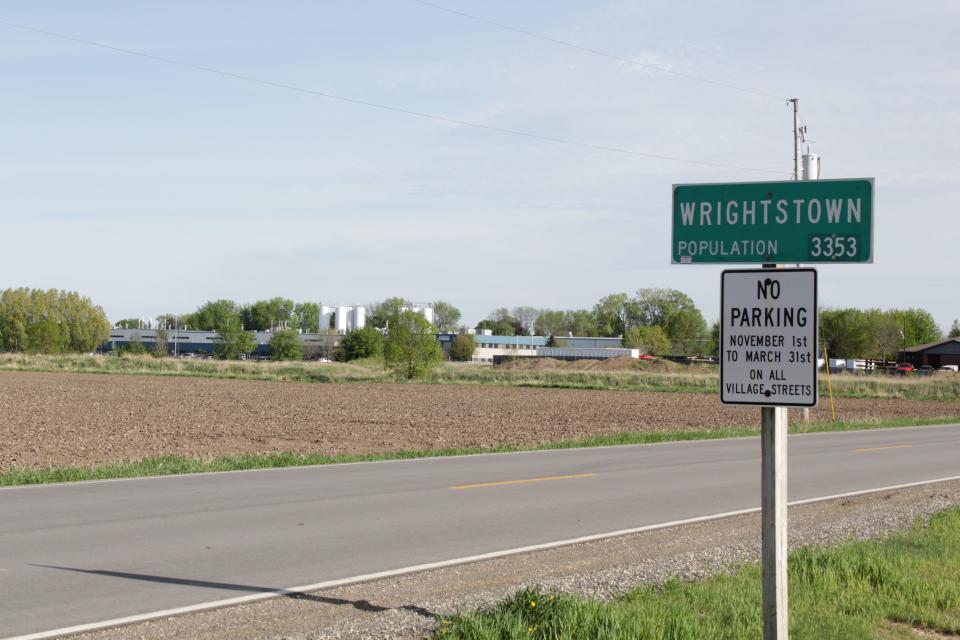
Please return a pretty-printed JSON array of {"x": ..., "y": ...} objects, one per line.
[{"x": 530, "y": 341}]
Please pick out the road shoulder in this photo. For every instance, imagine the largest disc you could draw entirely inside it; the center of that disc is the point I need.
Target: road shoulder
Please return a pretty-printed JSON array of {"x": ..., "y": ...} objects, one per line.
[{"x": 407, "y": 606}]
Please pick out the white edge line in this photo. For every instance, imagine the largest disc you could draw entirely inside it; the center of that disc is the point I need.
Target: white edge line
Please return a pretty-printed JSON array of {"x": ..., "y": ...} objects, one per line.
[
  {"x": 173, "y": 476},
  {"x": 217, "y": 604}
]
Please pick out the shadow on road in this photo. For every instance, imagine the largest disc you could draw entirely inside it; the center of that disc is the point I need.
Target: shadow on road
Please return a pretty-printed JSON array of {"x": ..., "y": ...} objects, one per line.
[{"x": 362, "y": 605}]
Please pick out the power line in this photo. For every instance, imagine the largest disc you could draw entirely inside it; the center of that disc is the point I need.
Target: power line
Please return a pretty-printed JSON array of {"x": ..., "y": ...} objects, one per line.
[
  {"x": 383, "y": 107},
  {"x": 597, "y": 52}
]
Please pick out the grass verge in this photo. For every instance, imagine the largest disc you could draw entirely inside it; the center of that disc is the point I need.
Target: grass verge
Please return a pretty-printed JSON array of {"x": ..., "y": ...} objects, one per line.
[
  {"x": 644, "y": 377},
  {"x": 904, "y": 586},
  {"x": 360, "y": 371},
  {"x": 176, "y": 465}
]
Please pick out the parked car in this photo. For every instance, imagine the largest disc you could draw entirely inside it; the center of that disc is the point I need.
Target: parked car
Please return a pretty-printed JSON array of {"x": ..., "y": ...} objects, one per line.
[
  {"x": 950, "y": 367},
  {"x": 925, "y": 370},
  {"x": 904, "y": 368}
]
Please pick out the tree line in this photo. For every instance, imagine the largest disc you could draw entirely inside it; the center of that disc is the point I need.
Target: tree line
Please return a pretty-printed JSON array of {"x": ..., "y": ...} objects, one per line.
[
  {"x": 226, "y": 315},
  {"x": 877, "y": 334},
  {"x": 51, "y": 321},
  {"x": 661, "y": 321}
]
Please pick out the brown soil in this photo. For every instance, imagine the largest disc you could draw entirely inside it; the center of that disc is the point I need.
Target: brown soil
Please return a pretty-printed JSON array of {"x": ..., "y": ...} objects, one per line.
[{"x": 58, "y": 419}]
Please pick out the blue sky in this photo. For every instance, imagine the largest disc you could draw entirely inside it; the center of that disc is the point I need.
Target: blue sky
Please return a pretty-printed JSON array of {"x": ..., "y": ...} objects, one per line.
[{"x": 152, "y": 188}]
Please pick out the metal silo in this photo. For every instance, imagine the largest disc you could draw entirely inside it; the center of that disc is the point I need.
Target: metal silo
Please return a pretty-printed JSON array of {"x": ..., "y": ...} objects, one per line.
[
  {"x": 343, "y": 315},
  {"x": 325, "y": 313},
  {"x": 428, "y": 314},
  {"x": 359, "y": 317},
  {"x": 811, "y": 166}
]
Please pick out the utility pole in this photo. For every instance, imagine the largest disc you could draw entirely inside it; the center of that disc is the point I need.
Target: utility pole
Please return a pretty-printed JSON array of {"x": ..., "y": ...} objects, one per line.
[
  {"x": 797, "y": 134},
  {"x": 773, "y": 482},
  {"x": 809, "y": 170}
]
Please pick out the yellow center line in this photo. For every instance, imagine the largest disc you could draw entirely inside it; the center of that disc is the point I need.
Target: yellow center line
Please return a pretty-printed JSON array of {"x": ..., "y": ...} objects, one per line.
[
  {"x": 523, "y": 481},
  {"x": 889, "y": 446}
]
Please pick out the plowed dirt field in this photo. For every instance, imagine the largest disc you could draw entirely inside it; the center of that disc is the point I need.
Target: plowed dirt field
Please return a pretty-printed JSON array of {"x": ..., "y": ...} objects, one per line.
[{"x": 59, "y": 419}]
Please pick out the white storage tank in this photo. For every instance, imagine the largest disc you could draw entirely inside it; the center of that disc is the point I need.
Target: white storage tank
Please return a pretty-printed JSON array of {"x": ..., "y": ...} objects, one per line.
[
  {"x": 359, "y": 317},
  {"x": 325, "y": 313},
  {"x": 428, "y": 314},
  {"x": 811, "y": 166},
  {"x": 342, "y": 319}
]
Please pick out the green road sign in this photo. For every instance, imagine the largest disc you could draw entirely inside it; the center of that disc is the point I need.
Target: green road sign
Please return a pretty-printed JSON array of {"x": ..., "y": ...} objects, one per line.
[{"x": 759, "y": 222}]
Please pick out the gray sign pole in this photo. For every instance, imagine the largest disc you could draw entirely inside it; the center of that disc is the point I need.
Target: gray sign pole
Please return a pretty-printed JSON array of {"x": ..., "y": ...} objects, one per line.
[
  {"x": 773, "y": 517},
  {"x": 768, "y": 331},
  {"x": 773, "y": 501},
  {"x": 773, "y": 485}
]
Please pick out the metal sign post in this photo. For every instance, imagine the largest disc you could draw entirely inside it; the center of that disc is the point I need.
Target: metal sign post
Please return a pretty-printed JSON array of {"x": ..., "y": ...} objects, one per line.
[
  {"x": 773, "y": 506},
  {"x": 768, "y": 336},
  {"x": 768, "y": 354}
]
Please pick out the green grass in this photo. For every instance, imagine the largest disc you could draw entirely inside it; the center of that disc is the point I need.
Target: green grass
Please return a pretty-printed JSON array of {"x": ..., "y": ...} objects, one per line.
[
  {"x": 701, "y": 379},
  {"x": 886, "y": 588},
  {"x": 174, "y": 465},
  {"x": 645, "y": 377},
  {"x": 338, "y": 372}
]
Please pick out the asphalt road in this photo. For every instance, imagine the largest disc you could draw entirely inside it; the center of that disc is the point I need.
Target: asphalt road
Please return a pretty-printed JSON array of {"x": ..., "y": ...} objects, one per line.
[{"x": 82, "y": 553}]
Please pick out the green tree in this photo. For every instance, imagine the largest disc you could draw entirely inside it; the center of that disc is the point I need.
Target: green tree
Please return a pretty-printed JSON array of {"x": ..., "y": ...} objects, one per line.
[
  {"x": 713, "y": 345},
  {"x": 918, "y": 326},
  {"x": 549, "y": 322},
  {"x": 580, "y": 322},
  {"x": 652, "y": 340},
  {"x": 127, "y": 323},
  {"x": 676, "y": 313},
  {"x": 15, "y": 315},
  {"x": 306, "y": 315},
  {"x": 234, "y": 342},
  {"x": 445, "y": 316},
  {"x": 361, "y": 343},
  {"x": 883, "y": 335},
  {"x": 267, "y": 315},
  {"x": 462, "y": 348},
  {"x": 44, "y": 336},
  {"x": 285, "y": 345},
  {"x": 687, "y": 331},
  {"x": 613, "y": 314},
  {"x": 846, "y": 333},
  {"x": 500, "y": 319},
  {"x": 954, "y": 330},
  {"x": 379, "y": 314},
  {"x": 50, "y": 321},
  {"x": 85, "y": 324},
  {"x": 411, "y": 346},
  {"x": 219, "y": 315},
  {"x": 496, "y": 327},
  {"x": 134, "y": 347}
]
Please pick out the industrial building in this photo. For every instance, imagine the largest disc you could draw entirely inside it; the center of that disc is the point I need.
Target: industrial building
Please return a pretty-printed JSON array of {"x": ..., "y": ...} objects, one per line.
[
  {"x": 492, "y": 349},
  {"x": 588, "y": 342},
  {"x": 204, "y": 343}
]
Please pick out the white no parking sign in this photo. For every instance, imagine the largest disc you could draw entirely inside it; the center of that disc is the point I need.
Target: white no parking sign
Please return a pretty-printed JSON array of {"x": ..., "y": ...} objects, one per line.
[{"x": 768, "y": 337}]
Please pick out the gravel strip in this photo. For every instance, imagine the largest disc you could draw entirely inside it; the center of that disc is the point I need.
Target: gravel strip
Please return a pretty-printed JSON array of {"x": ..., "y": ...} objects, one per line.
[{"x": 406, "y": 607}]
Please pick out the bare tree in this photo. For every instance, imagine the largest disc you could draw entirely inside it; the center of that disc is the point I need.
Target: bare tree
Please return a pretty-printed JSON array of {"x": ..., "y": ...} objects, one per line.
[{"x": 526, "y": 316}]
